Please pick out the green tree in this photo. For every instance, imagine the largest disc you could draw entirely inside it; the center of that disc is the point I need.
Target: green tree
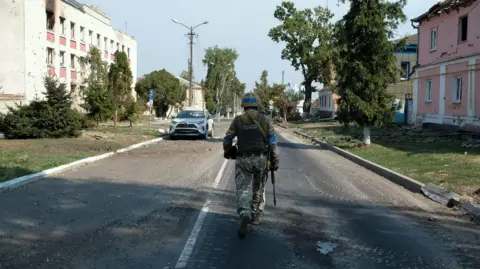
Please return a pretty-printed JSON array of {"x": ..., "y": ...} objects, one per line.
[
  {"x": 120, "y": 80},
  {"x": 288, "y": 101},
  {"x": 184, "y": 75},
  {"x": 268, "y": 92},
  {"x": 50, "y": 118},
  {"x": 97, "y": 98},
  {"x": 220, "y": 76},
  {"x": 167, "y": 90},
  {"x": 308, "y": 44},
  {"x": 366, "y": 64},
  {"x": 262, "y": 88}
]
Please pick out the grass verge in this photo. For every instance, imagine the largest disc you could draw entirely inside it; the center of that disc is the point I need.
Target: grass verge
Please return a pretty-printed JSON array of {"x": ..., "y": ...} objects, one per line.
[
  {"x": 428, "y": 156},
  {"x": 22, "y": 157}
]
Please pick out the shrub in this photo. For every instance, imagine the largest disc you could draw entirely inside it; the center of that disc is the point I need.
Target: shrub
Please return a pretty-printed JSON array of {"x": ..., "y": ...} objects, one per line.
[
  {"x": 133, "y": 110},
  {"x": 2, "y": 116},
  {"x": 50, "y": 118}
]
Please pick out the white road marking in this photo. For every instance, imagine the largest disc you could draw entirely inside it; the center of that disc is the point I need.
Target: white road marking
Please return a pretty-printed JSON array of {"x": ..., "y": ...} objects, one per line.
[{"x": 197, "y": 227}]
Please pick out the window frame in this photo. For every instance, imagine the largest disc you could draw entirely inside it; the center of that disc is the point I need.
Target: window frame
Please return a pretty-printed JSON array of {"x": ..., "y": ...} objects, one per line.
[
  {"x": 428, "y": 91},
  {"x": 433, "y": 42},
  {"x": 457, "y": 90}
]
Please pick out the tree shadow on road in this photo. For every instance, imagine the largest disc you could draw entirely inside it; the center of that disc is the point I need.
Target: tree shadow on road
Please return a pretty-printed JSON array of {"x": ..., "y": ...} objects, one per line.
[
  {"x": 99, "y": 223},
  {"x": 11, "y": 172}
]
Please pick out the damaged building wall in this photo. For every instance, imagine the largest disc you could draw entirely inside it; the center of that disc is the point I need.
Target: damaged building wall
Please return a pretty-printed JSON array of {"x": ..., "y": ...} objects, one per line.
[
  {"x": 448, "y": 46},
  {"x": 12, "y": 46}
]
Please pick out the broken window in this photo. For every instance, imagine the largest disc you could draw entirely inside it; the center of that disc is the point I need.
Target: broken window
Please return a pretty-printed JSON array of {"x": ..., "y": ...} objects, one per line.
[
  {"x": 82, "y": 33},
  {"x": 433, "y": 39},
  {"x": 405, "y": 66},
  {"x": 72, "y": 30},
  {"x": 50, "y": 20},
  {"x": 462, "y": 28},
  {"x": 49, "y": 56},
  {"x": 72, "y": 61},
  {"x": 62, "y": 58},
  {"x": 62, "y": 25},
  {"x": 428, "y": 91},
  {"x": 457, "y": 89}
]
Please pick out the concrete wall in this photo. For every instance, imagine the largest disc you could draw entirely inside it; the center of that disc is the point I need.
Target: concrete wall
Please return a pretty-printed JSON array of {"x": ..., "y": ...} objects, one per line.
[
  {"x": 448, "y": 46},
  {"x": 12, "y": 46}
]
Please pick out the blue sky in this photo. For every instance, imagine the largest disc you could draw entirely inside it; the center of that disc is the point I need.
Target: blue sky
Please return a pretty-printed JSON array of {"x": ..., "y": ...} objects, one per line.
[{"x": 242, "y": 25}]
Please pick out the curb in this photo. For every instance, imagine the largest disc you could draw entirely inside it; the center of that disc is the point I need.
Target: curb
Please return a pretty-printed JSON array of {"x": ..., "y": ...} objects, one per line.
[
  {"x": 11, "y": 184},
  {"x": 431, "y": 191}
]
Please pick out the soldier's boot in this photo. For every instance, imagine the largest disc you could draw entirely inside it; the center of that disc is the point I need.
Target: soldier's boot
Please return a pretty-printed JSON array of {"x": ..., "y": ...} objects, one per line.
[
  {"x": 256, "y": 220},
  {"x": 243, "y": 230}
]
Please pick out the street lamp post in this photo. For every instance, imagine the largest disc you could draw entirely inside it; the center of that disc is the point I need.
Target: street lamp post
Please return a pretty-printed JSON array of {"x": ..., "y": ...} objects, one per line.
[{"x": 190, "y": 35}]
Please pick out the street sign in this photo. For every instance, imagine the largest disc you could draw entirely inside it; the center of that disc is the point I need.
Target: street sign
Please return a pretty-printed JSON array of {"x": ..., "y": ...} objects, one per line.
[
  {"x": 271, "y": 107},
  {"x": 151, "y": 95},
  {"x": 271, "y": 102}
]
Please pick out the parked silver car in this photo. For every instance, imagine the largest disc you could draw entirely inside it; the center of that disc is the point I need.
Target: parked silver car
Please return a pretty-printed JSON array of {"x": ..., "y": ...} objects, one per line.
[{"x": 192, "y": 122}]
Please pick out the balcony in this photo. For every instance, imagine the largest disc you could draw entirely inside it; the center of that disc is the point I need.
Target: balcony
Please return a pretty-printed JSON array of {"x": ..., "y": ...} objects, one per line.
[
  {"x": 73, "y": 44},
  {"x": 50, "y": 36},
  {"x": 83, "y": 47},
  {"x": 63, "y": 41},
  {"x": 63, "y": 72}
]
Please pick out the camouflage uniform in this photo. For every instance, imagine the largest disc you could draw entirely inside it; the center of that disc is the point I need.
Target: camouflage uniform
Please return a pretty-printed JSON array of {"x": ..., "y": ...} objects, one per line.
[{"x": 252, "y": 159}]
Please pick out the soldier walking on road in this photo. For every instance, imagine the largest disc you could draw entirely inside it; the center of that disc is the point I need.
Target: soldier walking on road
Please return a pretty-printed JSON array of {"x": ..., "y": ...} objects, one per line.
[{"x": 257, "y": 146}]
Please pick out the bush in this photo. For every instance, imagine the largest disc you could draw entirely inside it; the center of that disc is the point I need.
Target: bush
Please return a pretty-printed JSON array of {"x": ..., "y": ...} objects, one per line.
[
  {"x": 85, "y": 122},
  {"x": 296, "y": 116},
  {"x": 50, "y": 118},
  {"x": 133, "y": 110}
]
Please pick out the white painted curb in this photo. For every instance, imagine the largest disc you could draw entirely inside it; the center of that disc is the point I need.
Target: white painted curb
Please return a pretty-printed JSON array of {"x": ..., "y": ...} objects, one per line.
[{"x": 55, "y": 170}]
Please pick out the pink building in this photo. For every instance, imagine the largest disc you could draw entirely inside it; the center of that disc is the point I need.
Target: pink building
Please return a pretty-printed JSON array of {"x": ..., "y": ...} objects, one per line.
[{"x": 444, "y": 90}]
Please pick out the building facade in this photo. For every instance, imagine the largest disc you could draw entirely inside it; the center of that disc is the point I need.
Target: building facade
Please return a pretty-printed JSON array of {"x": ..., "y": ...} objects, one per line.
[
  {"x": 327, "y": 104},
  {"x": 406, "y": 60},
  {"x": 39, "y": 43},
  {"x": 447, "y": 80}
]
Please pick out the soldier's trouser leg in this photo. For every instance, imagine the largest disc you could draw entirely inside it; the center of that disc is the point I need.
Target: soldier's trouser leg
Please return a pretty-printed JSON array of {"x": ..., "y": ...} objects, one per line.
[
  {"x": 243, "y": 181},
  {"x": 258, "y": 193}
]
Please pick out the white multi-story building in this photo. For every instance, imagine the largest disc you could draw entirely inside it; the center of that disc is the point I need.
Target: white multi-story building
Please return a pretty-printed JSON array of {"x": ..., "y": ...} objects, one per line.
[{"x": 33, "y": 46}]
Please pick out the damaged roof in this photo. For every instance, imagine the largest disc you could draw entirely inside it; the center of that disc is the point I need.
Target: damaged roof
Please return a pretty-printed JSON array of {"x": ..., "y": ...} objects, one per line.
[{"x": 441, "y": 7}]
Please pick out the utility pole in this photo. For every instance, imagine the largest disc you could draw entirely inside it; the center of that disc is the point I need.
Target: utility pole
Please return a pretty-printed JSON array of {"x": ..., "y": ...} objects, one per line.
[
  {"x": 190, "y": 36},
  {"x": 283, "y": 76}
]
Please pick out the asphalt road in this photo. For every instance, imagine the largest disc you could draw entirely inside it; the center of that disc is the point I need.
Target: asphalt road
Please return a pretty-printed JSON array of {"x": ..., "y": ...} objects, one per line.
[{"x": 147, "y": 209}]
